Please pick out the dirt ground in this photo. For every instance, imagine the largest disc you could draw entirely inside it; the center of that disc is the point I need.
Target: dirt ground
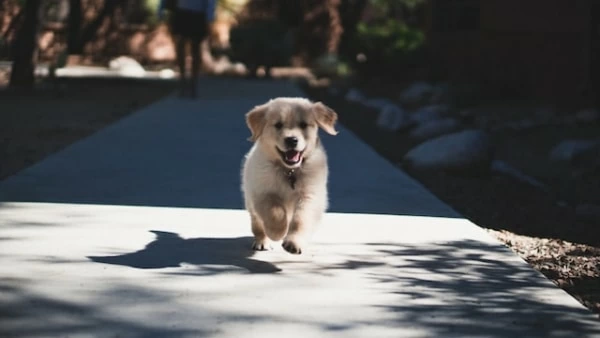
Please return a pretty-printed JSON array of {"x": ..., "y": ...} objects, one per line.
[
  {"x": 34, "y": 125},
  {"x": 545, "y": 233}
]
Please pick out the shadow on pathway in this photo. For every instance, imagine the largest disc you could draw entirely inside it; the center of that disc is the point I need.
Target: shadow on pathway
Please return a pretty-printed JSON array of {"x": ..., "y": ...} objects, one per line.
[
  {"x": 213, "y": 255},
  {"x": 183, "y": 153}
]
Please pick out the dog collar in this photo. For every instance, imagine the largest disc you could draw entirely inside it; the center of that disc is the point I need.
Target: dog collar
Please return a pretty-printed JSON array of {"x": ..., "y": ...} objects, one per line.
[{"x": 291, "y": 177}]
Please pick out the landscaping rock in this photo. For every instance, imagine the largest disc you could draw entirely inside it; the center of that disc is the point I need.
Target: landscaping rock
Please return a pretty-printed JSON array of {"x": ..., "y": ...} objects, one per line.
[
  {"x": 354, "y": 95},
  {"x": 393, "y": 118},
  {"x": 569, "y": 149},
  {"x": 468, "y": 151},
  {"x": 416, "y": 93},
  {"x": 127, "y": 66},
  {"x": 435, "y": 128},
  {"x": 377, "y": 103},
  {"x": 167, "y": 74},
  {"x": 429, "y": 113}
]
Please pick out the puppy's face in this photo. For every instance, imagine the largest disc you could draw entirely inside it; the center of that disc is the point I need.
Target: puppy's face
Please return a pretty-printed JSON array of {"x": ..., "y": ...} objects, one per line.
[{"x": 288, "y": 128}]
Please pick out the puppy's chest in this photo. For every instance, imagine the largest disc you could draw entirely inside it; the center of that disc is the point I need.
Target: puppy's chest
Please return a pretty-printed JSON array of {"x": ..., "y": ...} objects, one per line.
[{"x": 289, "y": 181}]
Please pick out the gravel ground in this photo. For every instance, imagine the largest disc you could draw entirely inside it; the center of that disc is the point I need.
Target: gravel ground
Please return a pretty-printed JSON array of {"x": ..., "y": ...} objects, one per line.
[{"x": 573, "y": 267}]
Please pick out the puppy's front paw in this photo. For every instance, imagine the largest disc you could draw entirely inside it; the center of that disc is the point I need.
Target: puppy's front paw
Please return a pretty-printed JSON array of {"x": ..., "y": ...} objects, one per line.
[
  {"x": 292, "y": 246},
  {"x": 261, "y": 245}
]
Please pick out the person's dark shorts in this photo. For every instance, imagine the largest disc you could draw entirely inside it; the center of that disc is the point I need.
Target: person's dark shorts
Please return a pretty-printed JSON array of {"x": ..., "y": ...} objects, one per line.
[{"x": 188, "y": 24}]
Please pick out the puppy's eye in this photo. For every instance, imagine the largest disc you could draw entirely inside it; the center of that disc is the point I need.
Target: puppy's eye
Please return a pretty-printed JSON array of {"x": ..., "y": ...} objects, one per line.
[
  {"x": 278, "y": 125},
  {"x": 303, "y": 125}
]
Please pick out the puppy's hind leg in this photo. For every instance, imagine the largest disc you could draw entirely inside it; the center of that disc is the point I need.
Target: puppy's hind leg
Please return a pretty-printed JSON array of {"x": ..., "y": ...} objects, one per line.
[
  {"x": 274, "y": 216},
  {"x": 261, "y": 241}
]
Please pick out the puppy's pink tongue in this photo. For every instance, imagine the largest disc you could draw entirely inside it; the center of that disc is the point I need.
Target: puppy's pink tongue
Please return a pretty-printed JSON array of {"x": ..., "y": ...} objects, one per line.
[{"x": 292, "y": 155}]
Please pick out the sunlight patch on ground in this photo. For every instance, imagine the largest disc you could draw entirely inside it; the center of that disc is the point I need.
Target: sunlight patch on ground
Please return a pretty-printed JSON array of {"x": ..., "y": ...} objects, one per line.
[{"x": 120, "y": 270}]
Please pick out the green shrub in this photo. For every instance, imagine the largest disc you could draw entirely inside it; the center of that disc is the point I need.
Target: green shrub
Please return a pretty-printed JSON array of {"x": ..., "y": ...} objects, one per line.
[
  {"x": 151, "y": 11},
  {"x": 388, "y": 41},
  {"x": 330, "y": 65}
]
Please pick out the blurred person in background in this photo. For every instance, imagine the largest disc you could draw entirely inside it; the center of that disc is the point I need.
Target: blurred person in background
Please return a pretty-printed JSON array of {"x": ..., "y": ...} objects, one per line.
[{"x": 189, "y": 22}]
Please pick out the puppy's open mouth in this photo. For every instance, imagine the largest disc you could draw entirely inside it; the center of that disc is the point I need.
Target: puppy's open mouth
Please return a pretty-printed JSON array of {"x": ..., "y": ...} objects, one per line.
[{"x": 291, "y": 157}]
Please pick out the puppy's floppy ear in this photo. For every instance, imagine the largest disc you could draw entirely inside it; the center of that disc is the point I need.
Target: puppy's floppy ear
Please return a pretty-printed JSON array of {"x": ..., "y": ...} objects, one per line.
[
  {"x": 326, "y": 117},
  {"x": 255, "y": 119}
]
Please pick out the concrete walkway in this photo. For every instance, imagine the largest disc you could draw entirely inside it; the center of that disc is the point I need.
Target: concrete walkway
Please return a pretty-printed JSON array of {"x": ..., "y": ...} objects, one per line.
[{"x": 137, "y": 231}]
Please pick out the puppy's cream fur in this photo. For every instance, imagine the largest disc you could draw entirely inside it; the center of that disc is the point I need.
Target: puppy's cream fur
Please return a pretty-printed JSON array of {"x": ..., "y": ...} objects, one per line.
[{"x": 279, "y": 208}]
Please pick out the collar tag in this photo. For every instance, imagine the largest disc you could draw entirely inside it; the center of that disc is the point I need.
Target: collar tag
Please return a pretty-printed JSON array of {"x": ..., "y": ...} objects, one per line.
[{"x": 291, "y": 178}]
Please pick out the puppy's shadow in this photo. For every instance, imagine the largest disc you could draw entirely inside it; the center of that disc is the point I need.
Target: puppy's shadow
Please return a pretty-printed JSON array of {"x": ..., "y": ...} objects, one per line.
[{"x": 211, "y": 255}]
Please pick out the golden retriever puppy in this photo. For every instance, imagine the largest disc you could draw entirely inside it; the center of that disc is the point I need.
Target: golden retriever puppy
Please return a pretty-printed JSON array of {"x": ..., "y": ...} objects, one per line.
[{"x": 284, "y": 175}]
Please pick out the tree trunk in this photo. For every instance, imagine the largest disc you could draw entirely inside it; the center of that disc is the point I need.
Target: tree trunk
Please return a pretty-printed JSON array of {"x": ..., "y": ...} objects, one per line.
[
  {"x": 14, "y": 22},
  {"x": 350, "y": 13},
  {"x": 320, "y": 31},
  {"x": 77, "y": 40},
  {"x": 73, "y": 27},
  {"x": 25, "y": 45}
]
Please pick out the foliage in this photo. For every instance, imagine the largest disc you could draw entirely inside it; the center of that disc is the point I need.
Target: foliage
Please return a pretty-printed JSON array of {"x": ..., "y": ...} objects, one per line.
[
  {"x": 151, "y": 8},
  {"x": 387, "y": 43},
  {"x": 388, "y": 39},
  {"x": 330, "y": 65},
  {"x": 386, "y": 6}
]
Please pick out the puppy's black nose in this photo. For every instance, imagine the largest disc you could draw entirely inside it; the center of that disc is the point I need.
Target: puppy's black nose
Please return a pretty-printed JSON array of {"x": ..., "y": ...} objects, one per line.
[{"x": 291, "y": 142}]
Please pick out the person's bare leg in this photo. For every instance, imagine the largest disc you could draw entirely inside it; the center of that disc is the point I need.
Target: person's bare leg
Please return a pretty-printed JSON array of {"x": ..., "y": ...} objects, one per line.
[
  {"x": 180, "y": 51},
  {"x": 196, "y": 62}
]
